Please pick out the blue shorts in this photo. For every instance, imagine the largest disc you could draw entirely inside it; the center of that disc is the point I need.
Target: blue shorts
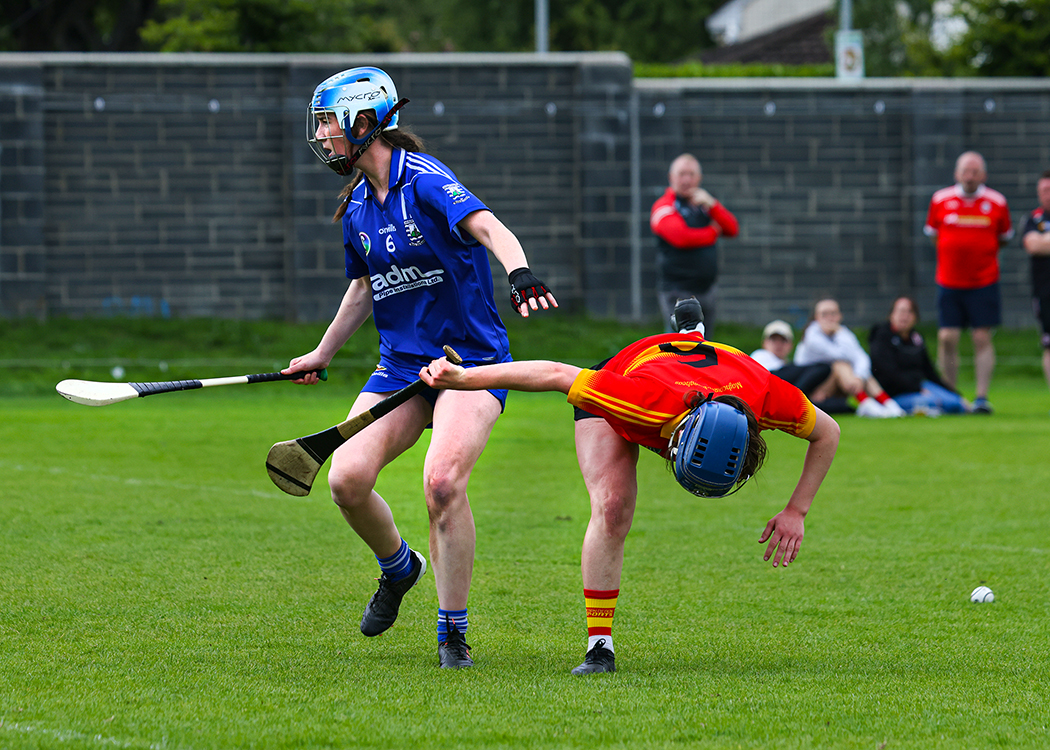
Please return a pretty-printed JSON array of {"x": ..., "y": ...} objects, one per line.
[
  {"x": 394, "y": 373},
  {"x": 969, "y": 308}
]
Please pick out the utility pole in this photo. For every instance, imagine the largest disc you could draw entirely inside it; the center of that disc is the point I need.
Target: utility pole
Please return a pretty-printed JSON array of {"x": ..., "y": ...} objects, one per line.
[{"x": 542, "y": 26}]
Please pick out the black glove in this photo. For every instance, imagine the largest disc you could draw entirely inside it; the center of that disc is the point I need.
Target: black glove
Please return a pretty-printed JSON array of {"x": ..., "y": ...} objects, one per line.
[{"x": 524, "y": 286}]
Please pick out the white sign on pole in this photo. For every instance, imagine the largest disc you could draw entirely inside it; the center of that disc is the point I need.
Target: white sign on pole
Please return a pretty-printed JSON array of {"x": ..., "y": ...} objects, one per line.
[{"x": 849, "y": 54}]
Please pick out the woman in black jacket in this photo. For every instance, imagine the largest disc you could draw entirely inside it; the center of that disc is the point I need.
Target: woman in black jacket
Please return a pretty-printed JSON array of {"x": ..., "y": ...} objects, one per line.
[{"x": 901, "y": 364}]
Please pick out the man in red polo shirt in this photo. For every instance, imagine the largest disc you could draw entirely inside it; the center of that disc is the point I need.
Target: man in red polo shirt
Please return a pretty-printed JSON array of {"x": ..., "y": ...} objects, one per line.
[{"x": 968, "y": 221}]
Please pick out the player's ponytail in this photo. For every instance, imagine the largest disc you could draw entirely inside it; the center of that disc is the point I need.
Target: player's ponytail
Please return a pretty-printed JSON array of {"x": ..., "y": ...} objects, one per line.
[{"x": 402, "y": 138}]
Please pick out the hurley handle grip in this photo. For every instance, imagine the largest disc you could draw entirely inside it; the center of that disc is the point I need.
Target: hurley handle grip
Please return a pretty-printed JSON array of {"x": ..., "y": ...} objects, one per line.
[{"x": 266, "y": 377}]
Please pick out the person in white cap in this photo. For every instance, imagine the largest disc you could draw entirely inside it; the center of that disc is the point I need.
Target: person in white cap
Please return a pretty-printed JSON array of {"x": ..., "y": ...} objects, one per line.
[{"x": 814, "y": 380}]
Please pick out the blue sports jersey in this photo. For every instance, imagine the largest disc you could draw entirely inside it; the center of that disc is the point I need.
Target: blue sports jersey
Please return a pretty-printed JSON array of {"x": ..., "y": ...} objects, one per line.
[{"x": 431, "y": 283}]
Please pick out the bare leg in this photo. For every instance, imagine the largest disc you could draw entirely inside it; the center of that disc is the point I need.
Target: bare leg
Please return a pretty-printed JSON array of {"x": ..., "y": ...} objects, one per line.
[
  {"x": 948, "y": 353},
  {"x": 609, "y": 467},
  {"x": 356, "y": 464},
  {"x": 463, "y": 421},
  {"x": 983, "y": 360}
]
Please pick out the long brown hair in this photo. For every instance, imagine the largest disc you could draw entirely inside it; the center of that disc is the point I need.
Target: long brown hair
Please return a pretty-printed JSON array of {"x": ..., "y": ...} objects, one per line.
[
  {"x": 401, "y": 138},
  {"x": 756, "y": 444}
]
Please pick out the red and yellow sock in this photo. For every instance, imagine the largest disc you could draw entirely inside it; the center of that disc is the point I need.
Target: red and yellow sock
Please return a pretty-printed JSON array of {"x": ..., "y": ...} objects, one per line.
[{"x": 601, "y": 606}]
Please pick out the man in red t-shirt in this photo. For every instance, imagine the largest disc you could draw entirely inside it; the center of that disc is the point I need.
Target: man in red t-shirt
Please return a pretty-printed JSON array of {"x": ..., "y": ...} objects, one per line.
[
  {"x": 648, "y": 394},
  {"x": 968, "y": 221},
  {"x": 687, "y": 222}
]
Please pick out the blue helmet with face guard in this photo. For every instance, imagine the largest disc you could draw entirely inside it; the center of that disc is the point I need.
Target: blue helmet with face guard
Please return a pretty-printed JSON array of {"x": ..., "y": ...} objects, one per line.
[
  {"x": 708, "y": 449},
  {"x": 346, "y": 95}
]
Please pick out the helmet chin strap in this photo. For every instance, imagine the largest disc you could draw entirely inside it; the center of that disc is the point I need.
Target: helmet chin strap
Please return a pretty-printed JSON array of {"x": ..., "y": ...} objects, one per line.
[{"x": 350, "y": 161}]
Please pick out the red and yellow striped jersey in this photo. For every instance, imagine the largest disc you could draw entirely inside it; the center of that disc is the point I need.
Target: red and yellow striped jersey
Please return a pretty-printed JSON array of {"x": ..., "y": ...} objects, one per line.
[{"x": 641, "y": 391}]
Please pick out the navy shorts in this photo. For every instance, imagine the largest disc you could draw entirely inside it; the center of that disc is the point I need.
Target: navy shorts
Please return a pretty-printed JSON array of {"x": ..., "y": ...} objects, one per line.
[
  {"x": 1041, "y": 308},
  {"x": 969, "y": 308},
  {"x": 394, "y": 373}
]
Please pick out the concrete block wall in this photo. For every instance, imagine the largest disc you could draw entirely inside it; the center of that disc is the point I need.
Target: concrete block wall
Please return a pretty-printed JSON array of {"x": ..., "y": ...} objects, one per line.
[
  {"x": 831, "y": 182},
  {"x": 23, "y": 249},
  {"x": 183, "y": 185}
]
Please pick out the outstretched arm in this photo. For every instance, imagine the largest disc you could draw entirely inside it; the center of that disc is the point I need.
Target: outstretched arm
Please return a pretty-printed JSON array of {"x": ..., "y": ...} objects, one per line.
[
  {"x": 786, "y": 529},
  {"x": 493, "y": 234},
  {"x": 530, "y": 375}
]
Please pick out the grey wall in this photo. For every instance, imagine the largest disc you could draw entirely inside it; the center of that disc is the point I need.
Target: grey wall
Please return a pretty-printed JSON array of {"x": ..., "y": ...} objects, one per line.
[
  {"x": 182, "y": 184},
  {"x": 831, "y": 181}
]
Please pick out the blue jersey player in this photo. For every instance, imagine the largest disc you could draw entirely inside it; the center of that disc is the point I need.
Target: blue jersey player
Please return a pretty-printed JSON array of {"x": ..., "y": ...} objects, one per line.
[{"x": 417, "y": 246}]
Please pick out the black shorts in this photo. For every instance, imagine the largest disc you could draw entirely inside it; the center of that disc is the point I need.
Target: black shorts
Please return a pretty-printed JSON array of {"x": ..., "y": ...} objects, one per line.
[
  {"x": 577, "y": 412},
  {"x": 804, "y": 377},
  {"x": 969, "y": 308}
]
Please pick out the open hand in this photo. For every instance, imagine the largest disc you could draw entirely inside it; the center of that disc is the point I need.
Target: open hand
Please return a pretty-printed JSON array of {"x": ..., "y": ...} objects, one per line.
[{"x": 784, "y": 533}]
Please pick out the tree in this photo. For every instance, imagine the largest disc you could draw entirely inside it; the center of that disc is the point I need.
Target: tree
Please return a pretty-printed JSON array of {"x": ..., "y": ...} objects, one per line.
[
  {"x": 647, "y": 30},
  {"x": 77, "y": 26},
  {"x": 275, "y": 26},
  {"x": 1005, "y": 37}
]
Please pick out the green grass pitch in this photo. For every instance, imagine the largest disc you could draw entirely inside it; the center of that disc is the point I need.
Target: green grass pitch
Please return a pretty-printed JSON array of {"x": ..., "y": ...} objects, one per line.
[{"x": 156, "y": 591}]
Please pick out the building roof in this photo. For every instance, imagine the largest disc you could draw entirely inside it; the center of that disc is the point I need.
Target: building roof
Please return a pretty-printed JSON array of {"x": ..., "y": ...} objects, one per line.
[{"x": 800, "y": 43}]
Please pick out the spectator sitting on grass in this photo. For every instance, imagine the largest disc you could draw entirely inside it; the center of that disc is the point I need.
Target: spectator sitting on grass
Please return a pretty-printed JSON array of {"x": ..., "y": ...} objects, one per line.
[
  {"x": 827, "y": 341},
  {"x": 902, "y": 365}
]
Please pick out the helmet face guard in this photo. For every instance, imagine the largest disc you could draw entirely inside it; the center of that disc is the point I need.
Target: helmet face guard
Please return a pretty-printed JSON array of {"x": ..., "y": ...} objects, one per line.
[
  {"x": 346, "y": 95},
  {"x": 709, "y": 453}
]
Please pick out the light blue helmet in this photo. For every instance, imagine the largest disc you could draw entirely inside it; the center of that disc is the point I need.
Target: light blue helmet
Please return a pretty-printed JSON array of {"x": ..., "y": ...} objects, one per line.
[
  {"x": 709, "y": 452},
  {"x": 346, "y": 95}
]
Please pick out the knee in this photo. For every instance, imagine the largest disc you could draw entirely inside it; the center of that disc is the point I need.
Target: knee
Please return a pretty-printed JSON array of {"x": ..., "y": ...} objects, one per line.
[
  {"x": 614, "y": 513},
  {"x": 442, "y": 490},
  {"x": 982, "y": 339},
  {"x": 349, "y": 487}
]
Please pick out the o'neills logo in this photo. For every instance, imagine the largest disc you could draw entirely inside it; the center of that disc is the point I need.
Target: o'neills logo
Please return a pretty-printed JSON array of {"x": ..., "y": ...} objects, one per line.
[{"x": 398, "y": 280}]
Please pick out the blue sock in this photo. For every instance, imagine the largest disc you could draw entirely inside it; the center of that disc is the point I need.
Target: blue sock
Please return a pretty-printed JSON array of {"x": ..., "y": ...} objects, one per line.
[
  {"x": 457, "y": 617},
  {"x": 399, "y": 564}
]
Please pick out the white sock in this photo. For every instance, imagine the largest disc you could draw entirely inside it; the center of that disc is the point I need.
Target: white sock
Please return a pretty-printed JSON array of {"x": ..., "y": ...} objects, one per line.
[{"x": 591, "y": 640}]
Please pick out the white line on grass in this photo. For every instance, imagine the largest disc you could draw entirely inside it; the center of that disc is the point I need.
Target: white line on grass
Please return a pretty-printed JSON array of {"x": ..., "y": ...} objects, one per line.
[
  {"x": 69, "y": 735},
  {"x": 139, "y": 482}
]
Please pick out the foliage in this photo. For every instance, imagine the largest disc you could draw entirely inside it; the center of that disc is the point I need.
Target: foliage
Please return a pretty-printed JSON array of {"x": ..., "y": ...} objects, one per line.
[
  {"x": 698, "y": 69},
  {"x": 1005, "y": 37},
  {"x": 274, "y": 26},
  {"x": 1001, "y": 37},
  {"x": 90, "y": 26},
  {"x": 655, "y": 32},
  {"x": 997, "y": 38},
  {"x": 651, "y": 31},
  {"x": 897, "y": 37}
]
